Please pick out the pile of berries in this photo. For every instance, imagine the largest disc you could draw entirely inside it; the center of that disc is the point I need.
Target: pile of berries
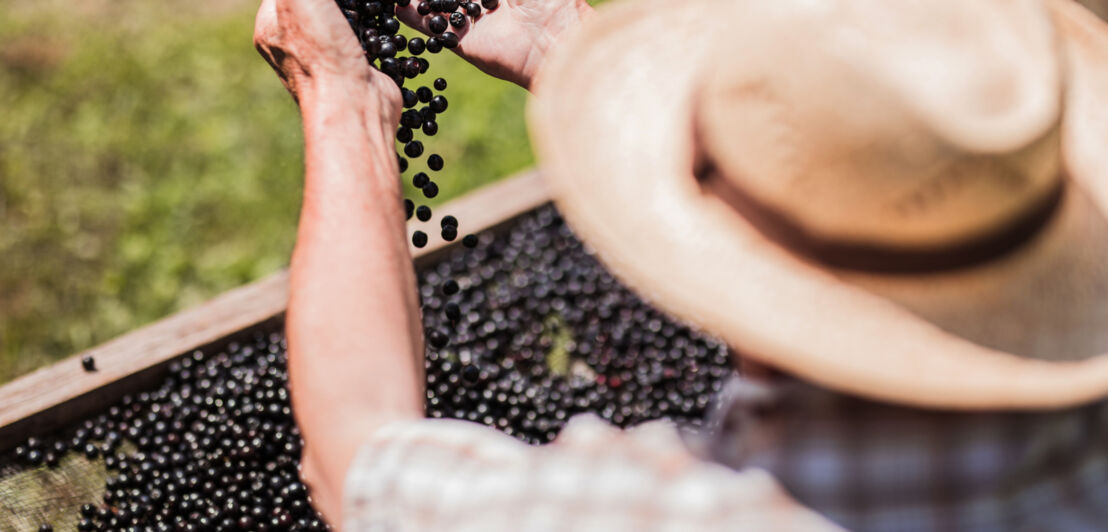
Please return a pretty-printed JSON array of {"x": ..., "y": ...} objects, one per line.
[{"x": 539, "y": 332}]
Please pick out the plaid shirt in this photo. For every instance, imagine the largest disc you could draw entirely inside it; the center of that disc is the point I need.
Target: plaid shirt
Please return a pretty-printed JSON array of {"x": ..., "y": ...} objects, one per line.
[{"x": 784, "y": 457}]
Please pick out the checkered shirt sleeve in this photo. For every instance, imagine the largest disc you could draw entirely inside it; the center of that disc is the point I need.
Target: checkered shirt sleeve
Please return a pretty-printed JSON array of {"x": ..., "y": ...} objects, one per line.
[{"x": 438, "y": 474}]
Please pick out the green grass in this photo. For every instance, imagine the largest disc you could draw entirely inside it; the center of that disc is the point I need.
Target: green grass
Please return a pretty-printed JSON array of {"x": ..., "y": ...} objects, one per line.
[{"x": 149, "y": 160}]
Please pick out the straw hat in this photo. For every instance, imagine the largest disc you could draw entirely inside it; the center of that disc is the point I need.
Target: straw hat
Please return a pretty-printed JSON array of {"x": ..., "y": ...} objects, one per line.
[{"x": 897, "y": 199}]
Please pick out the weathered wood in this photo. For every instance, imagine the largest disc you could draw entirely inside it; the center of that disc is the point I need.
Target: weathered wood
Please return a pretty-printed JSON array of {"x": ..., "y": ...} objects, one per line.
[{"x": 63, "y": 392}]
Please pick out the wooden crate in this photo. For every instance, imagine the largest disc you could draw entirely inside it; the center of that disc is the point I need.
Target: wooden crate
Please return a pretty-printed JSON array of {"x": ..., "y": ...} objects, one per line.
[{"x": 60, "y": 394}]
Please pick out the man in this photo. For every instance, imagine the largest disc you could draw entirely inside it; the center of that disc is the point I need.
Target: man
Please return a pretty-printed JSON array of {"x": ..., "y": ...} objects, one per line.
[{"x": 898, "y": 203}]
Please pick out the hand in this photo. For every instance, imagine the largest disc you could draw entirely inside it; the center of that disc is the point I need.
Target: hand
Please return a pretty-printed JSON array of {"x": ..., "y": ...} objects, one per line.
[
  {"x": 309, "y": 43},
  {"x": 511, "y": 41}
]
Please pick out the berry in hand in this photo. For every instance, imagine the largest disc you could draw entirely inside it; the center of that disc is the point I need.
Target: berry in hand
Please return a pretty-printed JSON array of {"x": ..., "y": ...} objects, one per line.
[
  {"x": 449, "y": 39},
  {"x": 437, "y": 24}
]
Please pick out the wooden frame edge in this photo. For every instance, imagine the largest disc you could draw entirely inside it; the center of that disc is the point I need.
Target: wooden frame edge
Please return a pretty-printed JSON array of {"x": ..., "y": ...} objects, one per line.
[{"x": 48, "y": 398}]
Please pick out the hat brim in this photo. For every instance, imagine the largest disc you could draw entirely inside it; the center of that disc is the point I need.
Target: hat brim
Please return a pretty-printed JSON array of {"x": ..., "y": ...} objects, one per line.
[{"x": 611, "y": 120}]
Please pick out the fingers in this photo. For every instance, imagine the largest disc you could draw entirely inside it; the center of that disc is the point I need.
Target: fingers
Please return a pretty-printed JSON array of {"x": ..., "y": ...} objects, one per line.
[
  {"x": 265, "y": 22},
  {"x": 265, "y": 32},
  {"x": 409, "y": 16}
]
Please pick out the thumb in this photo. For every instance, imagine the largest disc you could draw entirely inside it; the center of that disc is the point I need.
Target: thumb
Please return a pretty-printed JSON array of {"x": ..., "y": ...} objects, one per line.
[{"x": 265, "y": 24}]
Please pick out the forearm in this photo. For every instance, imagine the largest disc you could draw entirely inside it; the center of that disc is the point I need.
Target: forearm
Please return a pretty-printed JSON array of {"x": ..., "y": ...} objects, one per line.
[{"x": 355, "y": 341}]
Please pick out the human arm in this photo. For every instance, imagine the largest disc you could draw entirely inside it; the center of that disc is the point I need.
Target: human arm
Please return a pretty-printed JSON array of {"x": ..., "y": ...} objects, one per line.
[
  {"x": 511, "y": 41},
  {"x": 355, "y": 341}
]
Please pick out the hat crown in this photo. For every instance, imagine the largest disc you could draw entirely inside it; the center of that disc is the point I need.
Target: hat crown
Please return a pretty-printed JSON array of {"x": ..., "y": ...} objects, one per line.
[{"x": 894, "y": 125}]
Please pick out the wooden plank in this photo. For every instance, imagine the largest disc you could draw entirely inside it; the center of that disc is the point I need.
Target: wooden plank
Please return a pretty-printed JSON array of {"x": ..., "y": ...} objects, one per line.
[{"x": 63, "y": 392}]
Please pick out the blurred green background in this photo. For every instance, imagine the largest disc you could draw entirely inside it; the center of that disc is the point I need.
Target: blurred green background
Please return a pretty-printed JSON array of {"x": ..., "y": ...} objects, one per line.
[{"x": 149, "y": 159}]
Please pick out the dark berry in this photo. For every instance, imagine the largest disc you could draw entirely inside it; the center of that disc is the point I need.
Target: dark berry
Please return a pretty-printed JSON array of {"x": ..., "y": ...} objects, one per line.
[
  {"x": 419, "y": 239},
  {"x": 439, "y": 103},
  {"x": 449, "y": 233},
  {"x": 437, "y": 338},
  {"x": 423, "y": 212},
  {"x": 437, "y": 24},
  {"x": 413, "y": 149},
  {"x": 403, "y": 134},
  {"x": 434, "y": 45},
  {"x": 447, "y": 220},
  {"x": 88, "y": 363},
  {"x": 387, "y": 49},
  {"x": 469, "y": 241},
  {"x": 449, "y": 39},
  {"x": 411, "y": 119},
  {"x": 490, "y": 4},
  {"x": 390, "y": 26},
  {"x": 424, "y": 94},
  {"x": 452, "y": 311},
  {"x": 410, "y": 67},
  {"x": 470, "y": 374},
  {"x": 409, "y": 208},
  {"x": 457, "y": 19},
  {"x": 430, "y": 190},
  {"x": 45, "y": 527},
  {"x": 417, "y": 45},
  {"x": 400, "y": 42},
  {"x": 440, "y": 84},
  {"x": 473, "y": 9},
  {"x": 409, "y": 98},
  {"x": 435, "y": 162},
  {"x": 423, "y": 8},
  {"x": 430, "y": 128},
  {"x": 420, "y": 179},
  {"x": 390, "y": 66},
  {"x": 35, "y": 457},
  {"x": 450, "y": 287}
]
